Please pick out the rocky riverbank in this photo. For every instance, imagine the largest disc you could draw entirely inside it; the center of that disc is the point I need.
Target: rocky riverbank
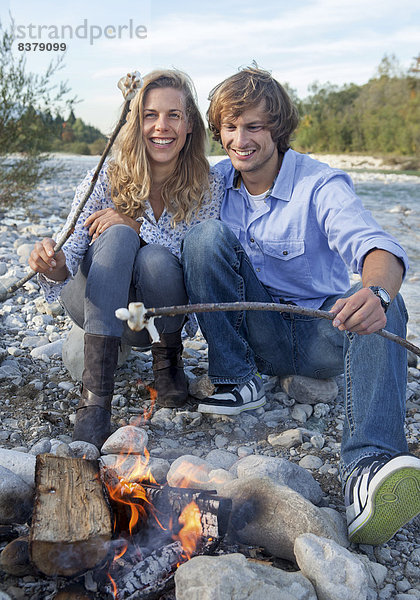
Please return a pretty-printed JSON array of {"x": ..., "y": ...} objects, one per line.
[{"x": 294, "y": 439}]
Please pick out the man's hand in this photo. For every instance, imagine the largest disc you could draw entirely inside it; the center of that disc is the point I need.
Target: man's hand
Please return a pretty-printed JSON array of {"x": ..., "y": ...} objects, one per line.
[
  {"x": 43, "y": 260},
  {"x": 360, "y": 313},
  {"x": 100, "y": 220}
]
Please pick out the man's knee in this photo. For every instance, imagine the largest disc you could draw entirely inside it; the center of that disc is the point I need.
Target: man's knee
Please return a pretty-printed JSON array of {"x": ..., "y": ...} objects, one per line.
[{"x": 204, "y": 240}]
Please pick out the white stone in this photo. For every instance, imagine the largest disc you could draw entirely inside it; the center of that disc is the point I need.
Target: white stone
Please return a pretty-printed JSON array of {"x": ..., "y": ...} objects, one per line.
[
  {"x": 137, "y": 466},
  {"x": 21, "y": 464},
  {"x": 218, "y": 478},
  {"x": 310, "y": 462},
  {"x": 15, "y": 498},
  {"x": 54, "y": 348},
  {"x": 281, "y": 471},
  {"x": 128, "y": 439},
  {"x": 85, "y": 450},
  {"x": 334, "y": 571},
  {"x": 73, "y": 352},
  {"x": 286, "y": 439},
  {"x": 232, "y": 576},
  {"x": 190, "y": 471},
  {"x": 221, "y": 459},
  {"x": 301, "y": 412}
]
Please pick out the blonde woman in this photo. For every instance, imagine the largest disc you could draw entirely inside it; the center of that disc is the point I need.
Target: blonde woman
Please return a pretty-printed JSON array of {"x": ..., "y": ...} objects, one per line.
[{"x": 126, "y": 244}]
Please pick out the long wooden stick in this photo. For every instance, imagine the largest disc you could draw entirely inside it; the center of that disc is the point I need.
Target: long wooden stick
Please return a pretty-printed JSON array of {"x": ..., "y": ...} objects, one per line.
[
  {"x": 67, "y": 233},
  {"x": 171, "y": 311}
]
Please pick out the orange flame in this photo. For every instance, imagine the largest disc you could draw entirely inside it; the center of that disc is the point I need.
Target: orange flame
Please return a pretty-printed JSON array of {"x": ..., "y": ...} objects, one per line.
[
  {"x": 129, "y": 487},
  {"x": 131, "y": 472},
  {"x": 191, "y": 531},
  {"x": 114, "y": 587}
]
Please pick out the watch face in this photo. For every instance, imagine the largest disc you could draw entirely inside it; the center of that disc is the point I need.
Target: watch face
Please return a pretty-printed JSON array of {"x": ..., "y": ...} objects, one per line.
[{"x": 383, "y": 294}]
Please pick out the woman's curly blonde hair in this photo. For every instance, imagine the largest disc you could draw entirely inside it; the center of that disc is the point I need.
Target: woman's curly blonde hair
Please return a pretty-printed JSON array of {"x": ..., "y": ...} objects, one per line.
[{"x": 129, "y": 169}]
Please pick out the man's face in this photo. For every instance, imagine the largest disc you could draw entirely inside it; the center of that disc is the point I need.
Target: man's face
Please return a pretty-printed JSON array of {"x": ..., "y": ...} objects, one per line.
[{"x": 248, "y": 141}]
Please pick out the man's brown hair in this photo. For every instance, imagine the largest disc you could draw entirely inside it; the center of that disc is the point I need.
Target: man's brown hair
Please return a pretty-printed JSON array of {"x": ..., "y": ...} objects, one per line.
[{"x": 245, "y": 90}]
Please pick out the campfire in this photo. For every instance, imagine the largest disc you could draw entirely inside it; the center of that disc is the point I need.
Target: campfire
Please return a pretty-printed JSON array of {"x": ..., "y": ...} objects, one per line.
[{"x": 117, "y": 522}]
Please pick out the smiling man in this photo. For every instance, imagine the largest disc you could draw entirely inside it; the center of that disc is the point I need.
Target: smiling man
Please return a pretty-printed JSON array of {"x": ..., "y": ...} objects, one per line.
[{"x": 291, "y": 228}]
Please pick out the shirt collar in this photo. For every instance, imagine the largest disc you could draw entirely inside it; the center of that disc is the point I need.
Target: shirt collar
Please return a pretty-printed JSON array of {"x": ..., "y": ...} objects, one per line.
[{"x": 283, "y": 185}]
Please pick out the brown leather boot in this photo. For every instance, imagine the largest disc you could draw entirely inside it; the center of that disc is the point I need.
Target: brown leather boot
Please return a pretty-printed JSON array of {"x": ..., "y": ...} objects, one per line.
[
  {"x": 168, "y": 369},
  {"x": 93, "y": 416}
]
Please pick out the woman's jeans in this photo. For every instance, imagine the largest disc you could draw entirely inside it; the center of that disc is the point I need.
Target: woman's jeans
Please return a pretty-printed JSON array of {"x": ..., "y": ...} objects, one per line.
[
  {"x": 116, "y": 271},
  {"x": 217, "y": 269}
]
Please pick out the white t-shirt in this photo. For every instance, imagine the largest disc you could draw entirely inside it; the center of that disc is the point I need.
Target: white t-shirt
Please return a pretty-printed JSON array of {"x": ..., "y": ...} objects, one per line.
[{"x": 256, "y": 200}]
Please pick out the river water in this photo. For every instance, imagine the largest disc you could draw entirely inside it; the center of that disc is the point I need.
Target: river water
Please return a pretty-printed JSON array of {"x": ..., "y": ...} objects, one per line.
[{"x": 394, "y": 201}]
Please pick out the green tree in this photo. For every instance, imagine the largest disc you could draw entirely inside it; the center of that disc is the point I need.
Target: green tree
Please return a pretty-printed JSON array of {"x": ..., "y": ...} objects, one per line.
[
  {"x": 381, "y": 116},
  {"x": 27, "y": 104}
]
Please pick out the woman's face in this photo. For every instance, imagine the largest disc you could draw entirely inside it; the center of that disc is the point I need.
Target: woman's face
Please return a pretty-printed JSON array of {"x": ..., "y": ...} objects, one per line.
[{"x": 165, "y": 126}]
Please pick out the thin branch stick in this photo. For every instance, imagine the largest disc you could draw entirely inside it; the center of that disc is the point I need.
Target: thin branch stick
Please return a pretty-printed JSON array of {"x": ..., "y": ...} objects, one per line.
[
  {"x": 171, "y": 311},
  {"x": 67, "y": 233}
]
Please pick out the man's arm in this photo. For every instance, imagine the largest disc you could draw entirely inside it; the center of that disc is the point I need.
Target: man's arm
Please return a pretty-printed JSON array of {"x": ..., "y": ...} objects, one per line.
[{"x": 362, "y": 312}]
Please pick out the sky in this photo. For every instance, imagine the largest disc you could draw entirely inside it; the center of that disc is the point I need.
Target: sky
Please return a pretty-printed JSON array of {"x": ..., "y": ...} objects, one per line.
[{"x": 300, "y": 42}]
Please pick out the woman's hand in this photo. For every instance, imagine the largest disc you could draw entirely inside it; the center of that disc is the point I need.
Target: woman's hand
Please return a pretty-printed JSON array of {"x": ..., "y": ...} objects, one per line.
[
  {"x": 43, "y": 260},
  {"x": 100, "y": 220}
]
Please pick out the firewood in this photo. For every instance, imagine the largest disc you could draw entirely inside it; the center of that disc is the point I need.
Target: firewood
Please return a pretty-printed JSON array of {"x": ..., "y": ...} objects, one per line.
[
  {"x": 71, "y": 525},
  {"x": 168, "y": 504}
]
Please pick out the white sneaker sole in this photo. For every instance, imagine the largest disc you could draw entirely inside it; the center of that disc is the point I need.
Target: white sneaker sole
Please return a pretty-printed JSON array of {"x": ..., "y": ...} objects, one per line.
[
  {"x": 395, "y": 500},
  {"x": 215, "y": 409}
]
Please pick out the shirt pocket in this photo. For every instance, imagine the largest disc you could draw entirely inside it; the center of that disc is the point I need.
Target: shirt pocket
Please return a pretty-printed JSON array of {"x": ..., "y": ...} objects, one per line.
[{"x": 285, "y": 259}]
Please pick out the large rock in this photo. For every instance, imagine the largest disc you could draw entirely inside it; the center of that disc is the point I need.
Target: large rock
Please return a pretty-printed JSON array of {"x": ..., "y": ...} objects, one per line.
[
  {"x": 221, "y": 459},
  {"x": 310, "y": 391},
  {"x": 190, "y": 471},
  {"x": 126, "y": 440},
  {"x": 272, "y": 516},
  {"x": 73, "y": 348},
  {"x": 20, "y": 463},
  {"x": 126, "y": 465},
  {"x": 16, "y": 498},
  {"x": 281, "y": 471},
  {"x": 233, "y": 576},
  {"x": 48, "y": 349},
  {"x": 333, "y": 570}
]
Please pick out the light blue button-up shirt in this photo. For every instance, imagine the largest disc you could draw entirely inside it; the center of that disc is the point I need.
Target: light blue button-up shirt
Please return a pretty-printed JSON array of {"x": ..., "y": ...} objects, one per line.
[{"x": 309, "y": 229}]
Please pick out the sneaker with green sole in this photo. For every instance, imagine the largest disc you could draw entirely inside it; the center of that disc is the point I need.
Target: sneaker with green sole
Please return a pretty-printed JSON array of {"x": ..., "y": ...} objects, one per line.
[{"x": 382, "y": 494}]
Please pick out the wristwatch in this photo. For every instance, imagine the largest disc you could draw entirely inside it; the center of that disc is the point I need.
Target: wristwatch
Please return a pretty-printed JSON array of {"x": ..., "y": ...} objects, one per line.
[{"x": 382, "y": 294}]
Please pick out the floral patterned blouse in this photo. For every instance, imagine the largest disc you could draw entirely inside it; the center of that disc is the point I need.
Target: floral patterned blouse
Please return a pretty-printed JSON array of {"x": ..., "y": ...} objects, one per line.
[{"x": 151, "y": 231}]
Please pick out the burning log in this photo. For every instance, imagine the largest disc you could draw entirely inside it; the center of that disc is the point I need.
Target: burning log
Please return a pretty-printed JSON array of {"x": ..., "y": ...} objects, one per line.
[
  {"x": 166, "y": 527},
  {"x": 71, "y": 525},
  {"x": 165, "y": 505}
]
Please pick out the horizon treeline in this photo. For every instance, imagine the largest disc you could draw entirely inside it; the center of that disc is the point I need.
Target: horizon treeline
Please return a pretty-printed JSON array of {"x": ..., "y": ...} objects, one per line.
[{"x": 380, "y": 117}]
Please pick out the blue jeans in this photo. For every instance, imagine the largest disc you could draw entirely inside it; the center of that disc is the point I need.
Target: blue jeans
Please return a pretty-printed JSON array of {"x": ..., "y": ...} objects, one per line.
[
  {"x": 116, "y": 271},
  {"x": 217, "y": 269}
]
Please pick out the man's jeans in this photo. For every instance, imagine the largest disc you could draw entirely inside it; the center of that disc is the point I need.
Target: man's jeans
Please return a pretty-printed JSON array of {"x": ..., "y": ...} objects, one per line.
[
  {"x": 217, "y": 269},
  {"x": 116, "y": 271}
]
